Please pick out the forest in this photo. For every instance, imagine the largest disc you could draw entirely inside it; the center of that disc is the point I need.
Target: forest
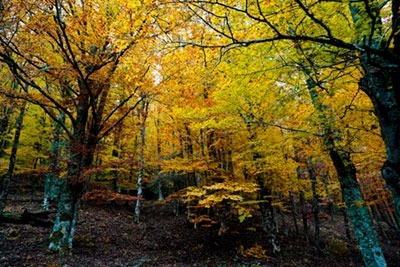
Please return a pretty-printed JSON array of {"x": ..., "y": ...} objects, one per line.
[{"x": 199, "y": 133}]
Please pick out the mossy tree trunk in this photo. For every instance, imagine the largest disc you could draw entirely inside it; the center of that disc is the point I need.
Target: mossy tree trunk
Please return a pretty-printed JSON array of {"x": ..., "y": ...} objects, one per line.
[
  {"x": 71, "y": 187},
  {"x": 381, "y": 82},
  {"x": 51, "y": 188},
  {"x": 70, "y": 191},
  {"x": 387, "y": 109},
  {"x": 361, "y": 219},
  {"x": 62, "y": 234},
  {"x": 357, "y": 209}
]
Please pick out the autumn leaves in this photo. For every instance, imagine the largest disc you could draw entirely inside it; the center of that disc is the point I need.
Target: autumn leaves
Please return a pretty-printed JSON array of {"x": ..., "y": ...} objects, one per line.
[{"x": 224, "y": 124}]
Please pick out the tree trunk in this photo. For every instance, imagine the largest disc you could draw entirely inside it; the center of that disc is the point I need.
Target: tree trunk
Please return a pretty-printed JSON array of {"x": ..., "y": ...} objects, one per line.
[
  {"x": 4, "y": 121},
  {"x": 64, "y": 224},
  {"x": 285, "y": 228},
  {"x": 140, "y": 175},
  {"x": 159, "y": 185},
  {"x": 324, "y": 176},
  {"x": 315, "y": 207},
  {"x": 188, "y": 148},
  {"x": 51, "y": 189},
  {"x": 267, "y": 213},
  {"x": 71, "y": 187},
  {"x": 142, "y": 117},
  {"x": 381, "y": 82},
  {"x": 363, "y": 226},
  {"x": 387, "y": 110},
  {"x": 375, "y": 214},
  {"x": 159, "y": 174},
  {"x": 5, "y": 183},
  {"x": 303, "y": 206},
  {"x": 294, "y": 212}
]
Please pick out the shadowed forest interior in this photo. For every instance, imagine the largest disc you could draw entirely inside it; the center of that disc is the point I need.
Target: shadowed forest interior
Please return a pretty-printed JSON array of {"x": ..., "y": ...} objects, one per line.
[{"x": 199, "y": 133}]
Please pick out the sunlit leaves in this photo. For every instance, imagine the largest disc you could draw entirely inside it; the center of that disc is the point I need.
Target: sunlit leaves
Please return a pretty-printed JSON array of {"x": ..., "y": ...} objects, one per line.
[{"x": 223, "y": 196}]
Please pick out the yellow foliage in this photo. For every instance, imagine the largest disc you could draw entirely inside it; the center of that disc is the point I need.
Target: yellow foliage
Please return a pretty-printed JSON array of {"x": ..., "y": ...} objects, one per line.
[
  {"x": 225, "y": 196},
  {"x": 256, "y": 251}
]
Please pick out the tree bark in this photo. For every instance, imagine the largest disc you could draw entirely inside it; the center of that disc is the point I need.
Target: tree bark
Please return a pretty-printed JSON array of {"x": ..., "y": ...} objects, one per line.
[
  {"x": 375, "y": 84},
  {"x": 64, "y": 224},
  {"x": 143, "y": 112},
  {"x": 71, "y": 187},
  {"x": 140, "y": 175},
  {"x": 381, "y": 82},
  {"x": 51, "y": 189},
  {"x": 267, "y": 213},
  {"x": 363, "y": 226}
]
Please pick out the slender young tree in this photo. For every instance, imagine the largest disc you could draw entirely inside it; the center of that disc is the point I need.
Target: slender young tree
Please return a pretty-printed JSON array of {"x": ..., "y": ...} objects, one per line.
[
  {"x": 6, "y": 180},
  {"x": 315, "y": 200},
  {"x": 159, "y": 158},
  {"x": 143, "y": 113},
  {"x": 5, "y": 116}
]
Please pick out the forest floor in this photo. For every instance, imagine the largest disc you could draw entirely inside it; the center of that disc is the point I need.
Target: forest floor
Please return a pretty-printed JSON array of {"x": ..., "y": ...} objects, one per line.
[{"x": 108, "y": 236}]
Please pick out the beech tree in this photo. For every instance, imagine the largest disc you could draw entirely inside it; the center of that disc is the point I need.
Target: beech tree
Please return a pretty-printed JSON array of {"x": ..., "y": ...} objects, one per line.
[
  {"x": 346, "y": 170},
  {"x": 143, "y": 113},
  {"x": 70, "y": 53}
]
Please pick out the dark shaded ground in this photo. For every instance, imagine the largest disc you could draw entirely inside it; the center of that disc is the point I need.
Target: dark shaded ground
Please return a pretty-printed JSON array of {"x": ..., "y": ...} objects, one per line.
[{"x": 107, "y": 236}]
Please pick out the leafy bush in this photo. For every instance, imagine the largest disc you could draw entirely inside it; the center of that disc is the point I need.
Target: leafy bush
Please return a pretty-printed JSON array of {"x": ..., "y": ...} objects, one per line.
[{"x": 337, "y": 247}]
